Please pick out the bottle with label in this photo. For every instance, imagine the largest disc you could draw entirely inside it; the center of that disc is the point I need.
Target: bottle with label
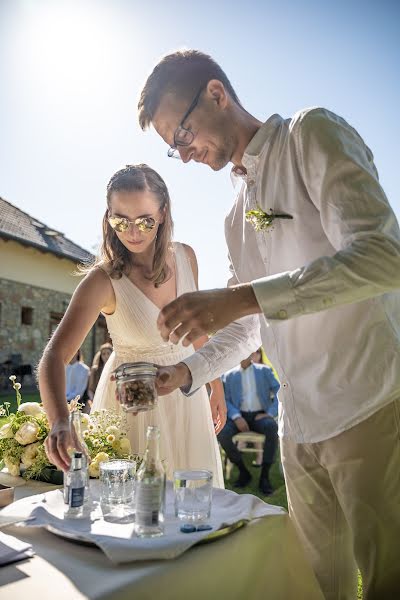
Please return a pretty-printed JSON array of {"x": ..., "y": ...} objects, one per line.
[
  {"x": 150, "y": 489},
  {"x": 75, "y": 426},
  {"x": 76, "y": 478}
]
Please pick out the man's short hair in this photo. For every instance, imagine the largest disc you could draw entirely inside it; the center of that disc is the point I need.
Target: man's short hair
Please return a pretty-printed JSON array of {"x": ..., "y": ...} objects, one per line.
[{"x": 181, "y": 73}]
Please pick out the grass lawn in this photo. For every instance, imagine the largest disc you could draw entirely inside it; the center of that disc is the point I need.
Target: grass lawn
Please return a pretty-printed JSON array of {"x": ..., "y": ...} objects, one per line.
[{"x": 28, "y": 397}]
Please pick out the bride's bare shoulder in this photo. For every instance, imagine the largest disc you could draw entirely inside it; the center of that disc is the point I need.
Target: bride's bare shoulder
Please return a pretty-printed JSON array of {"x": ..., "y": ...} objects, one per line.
[
  {"x": 97, "y": 278},
  {"x": 191, "y": 256}
]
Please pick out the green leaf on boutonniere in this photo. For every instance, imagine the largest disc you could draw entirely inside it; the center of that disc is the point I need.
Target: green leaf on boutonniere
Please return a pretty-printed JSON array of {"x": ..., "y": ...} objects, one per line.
[{"x": 262, "y": 220}]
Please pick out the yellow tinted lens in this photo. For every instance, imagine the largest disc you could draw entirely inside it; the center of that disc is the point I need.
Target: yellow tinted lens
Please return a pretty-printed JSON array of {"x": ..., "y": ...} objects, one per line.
[
  {"x": 119, "y": 224},
  {"x": 145, "y": 224}
]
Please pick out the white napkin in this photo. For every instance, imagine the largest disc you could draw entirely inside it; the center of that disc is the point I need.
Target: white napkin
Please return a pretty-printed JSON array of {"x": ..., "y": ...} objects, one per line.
[
  {"x": 119, "y": 542},
  {"x": 12, "y": 549}
]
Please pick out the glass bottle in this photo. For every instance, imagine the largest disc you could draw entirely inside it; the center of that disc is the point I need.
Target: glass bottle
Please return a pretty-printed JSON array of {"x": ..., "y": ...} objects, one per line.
[
  {"x": 76, "y": 487},
  {"x": 75, "y": 426},
  {"x": 150, "y": 489}
]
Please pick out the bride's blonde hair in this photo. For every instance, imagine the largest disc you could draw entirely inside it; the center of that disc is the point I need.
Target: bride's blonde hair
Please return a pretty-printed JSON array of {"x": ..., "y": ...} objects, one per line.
[{"x": 113, "y": 254}]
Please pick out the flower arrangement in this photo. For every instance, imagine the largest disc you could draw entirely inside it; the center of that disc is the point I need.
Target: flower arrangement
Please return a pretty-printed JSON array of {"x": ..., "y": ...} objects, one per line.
[
  {"x": 104, "y": 433},
  {"x": 23, "y": 434},
  {"x": 262, "y": 220}
]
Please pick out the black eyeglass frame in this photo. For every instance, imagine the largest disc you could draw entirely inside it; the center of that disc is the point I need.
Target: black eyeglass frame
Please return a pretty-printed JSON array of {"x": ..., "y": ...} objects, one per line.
[{"x": 176, "y": 144}]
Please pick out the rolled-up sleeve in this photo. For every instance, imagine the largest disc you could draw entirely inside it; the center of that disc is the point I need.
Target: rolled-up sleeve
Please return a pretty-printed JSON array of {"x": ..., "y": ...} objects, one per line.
[
  {"x": 338, "y": 172},
  {"x": 224, "y": 350}
]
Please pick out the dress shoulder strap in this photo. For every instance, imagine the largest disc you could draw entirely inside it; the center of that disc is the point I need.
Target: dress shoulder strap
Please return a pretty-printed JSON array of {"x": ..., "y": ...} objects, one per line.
[{"x": 184, "y": 273}]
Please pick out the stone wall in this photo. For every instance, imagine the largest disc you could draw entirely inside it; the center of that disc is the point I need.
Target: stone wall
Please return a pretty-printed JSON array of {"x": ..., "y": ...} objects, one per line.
[{"x": 47, "y": 307}]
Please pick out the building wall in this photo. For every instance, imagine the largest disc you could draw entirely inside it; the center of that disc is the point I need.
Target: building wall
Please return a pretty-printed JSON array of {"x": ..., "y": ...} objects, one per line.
[
  {"x": 44, "y": 283},
  {"x": 41, "y": 269}
]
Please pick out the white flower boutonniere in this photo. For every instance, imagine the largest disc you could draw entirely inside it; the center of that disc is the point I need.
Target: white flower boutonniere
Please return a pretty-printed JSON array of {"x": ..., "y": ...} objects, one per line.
[{"x": 262, "y": 220}]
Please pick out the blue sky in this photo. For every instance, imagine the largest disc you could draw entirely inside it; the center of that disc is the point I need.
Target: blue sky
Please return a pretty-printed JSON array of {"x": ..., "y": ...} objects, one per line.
[{"x": 71, "y": 72}]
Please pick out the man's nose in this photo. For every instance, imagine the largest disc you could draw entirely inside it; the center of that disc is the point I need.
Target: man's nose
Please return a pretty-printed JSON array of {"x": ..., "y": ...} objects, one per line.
[{"x": 186, "y": 153}]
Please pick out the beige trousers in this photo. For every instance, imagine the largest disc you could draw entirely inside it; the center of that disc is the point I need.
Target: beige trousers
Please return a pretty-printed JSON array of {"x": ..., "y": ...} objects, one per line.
[{"x": 344, "y": 499}]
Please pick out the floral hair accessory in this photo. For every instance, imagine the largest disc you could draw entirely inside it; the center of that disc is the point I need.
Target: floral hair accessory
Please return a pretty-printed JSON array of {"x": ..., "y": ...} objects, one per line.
[{"x": 262, "y": 220}]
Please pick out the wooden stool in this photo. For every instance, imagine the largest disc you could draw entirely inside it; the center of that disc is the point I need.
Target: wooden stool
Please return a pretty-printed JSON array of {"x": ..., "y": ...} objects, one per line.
[{"x": 241, "y": 440}]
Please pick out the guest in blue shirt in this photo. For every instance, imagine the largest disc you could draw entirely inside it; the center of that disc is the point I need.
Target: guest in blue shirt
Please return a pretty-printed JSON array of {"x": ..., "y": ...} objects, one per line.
[{"x": 251, "y": 400}]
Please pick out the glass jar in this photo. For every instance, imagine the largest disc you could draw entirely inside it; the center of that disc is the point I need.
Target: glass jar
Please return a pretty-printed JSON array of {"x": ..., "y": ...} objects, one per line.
[{"x": 136, "y": 386}]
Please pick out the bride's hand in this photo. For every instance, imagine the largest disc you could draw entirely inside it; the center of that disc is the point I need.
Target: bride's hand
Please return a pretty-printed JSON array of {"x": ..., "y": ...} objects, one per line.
[
  {"x": 172, "y": 377},
  {"x": 218, "y": 405},
  {"x": 57, "y": 443}
]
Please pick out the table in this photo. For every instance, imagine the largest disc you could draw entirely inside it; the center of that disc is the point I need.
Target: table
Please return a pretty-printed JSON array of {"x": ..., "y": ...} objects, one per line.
[{"x": 262, "y": 560}]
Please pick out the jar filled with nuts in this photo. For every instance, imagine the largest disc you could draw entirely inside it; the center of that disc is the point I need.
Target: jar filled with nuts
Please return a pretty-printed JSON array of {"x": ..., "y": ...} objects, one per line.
[{"x": 136, "y": 389}]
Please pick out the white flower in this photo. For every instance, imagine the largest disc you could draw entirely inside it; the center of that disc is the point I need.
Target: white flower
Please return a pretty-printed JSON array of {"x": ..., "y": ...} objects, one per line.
[
  {"x": 27, "y": 433},
  {"x": 113, "y": 430},
  {"x": 94, "y": 470},
  {"x": 12, "y": 467},
  {"x": 29, "y": 454},
  {"x": 85, "y": 420},
  {"x": 17, "y": 386},
  {"x": 12, "y": 377},
  {"x": 125, "y": 447},
  {"x": 6, "y": 432},
  {"x": 31, "y": 409},
  {"x": 101, "y": 457},
  {"x": 110, "y": 438}
]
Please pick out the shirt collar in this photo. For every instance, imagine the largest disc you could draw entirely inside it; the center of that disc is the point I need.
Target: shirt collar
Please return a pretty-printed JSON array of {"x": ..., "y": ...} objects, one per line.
[{"x": 256, "y": 145}]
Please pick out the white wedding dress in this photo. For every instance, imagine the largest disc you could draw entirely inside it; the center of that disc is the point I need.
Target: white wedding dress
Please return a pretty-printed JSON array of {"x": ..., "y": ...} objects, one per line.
[{"x": 187, "y": 437}]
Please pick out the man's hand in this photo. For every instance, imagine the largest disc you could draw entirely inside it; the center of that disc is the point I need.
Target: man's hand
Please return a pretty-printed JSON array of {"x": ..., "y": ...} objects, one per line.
[
  {"x": 198, "y": 313},
  {"x": 241, "y": 424},
  {"x": 263, "y": 415},
  {"x": 57, "y": 444},
  {"x": 172, "y": 377}
]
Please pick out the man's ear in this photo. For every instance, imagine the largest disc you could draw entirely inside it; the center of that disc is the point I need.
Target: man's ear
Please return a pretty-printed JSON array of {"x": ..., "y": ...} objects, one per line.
[{"x": 217, "y": 93}]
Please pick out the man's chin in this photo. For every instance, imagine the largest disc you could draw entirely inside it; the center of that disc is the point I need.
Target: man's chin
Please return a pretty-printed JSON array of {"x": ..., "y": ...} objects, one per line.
[{"x": 219, "y": 165}]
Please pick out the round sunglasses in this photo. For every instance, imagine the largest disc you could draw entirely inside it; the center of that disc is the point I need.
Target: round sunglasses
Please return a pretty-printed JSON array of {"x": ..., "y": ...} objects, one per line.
[{"x": 121, "y": 224}]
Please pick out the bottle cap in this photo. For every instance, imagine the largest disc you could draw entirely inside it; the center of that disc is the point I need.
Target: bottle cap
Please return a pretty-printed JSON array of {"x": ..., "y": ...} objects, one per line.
[{"x": 77, "y": 454}]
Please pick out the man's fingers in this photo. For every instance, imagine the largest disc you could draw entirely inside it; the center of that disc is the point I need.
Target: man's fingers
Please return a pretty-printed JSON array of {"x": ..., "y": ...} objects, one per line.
[
  {"x": 168, "y": 319},
  {"x": 179, "y": 332},
  {"x": 193, "y": 335}
]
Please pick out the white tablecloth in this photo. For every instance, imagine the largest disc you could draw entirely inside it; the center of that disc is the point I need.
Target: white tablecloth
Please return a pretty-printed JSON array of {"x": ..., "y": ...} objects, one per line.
[{"x": 262, "y": 560}]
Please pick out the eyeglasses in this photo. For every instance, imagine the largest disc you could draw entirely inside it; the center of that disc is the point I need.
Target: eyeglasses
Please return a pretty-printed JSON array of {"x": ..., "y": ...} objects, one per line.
[
  {"x": 183, "y": 136},
  {"x": 121, "y": 224}
]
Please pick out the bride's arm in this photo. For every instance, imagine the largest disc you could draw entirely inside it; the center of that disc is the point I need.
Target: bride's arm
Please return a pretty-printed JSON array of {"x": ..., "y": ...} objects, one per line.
[{"x": 93, "y": 295}]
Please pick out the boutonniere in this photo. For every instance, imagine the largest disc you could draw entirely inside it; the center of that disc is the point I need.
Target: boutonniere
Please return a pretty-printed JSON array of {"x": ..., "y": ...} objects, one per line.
[{"x": 262, "y": 220}]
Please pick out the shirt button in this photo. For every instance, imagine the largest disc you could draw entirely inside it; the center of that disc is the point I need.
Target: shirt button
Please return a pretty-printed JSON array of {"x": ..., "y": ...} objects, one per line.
[
  {"x": 250, "y": 181},
  {"x": 282, "y": 314},
  {"x": 285, "y": 385}
]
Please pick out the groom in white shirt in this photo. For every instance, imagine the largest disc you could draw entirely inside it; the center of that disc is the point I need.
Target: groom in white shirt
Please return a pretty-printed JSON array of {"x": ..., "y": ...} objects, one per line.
[{"x": 315, "y": 251}]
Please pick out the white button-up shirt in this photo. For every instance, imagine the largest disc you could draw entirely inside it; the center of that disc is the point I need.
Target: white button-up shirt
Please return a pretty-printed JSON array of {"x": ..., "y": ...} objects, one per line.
[
  {"x": 251, "y": 401},
  {"x": 341, "y": 251}
]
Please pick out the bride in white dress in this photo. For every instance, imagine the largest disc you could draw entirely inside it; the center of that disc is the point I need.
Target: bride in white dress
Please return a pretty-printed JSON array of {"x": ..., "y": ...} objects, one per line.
[{"x": 140, "y": 271}]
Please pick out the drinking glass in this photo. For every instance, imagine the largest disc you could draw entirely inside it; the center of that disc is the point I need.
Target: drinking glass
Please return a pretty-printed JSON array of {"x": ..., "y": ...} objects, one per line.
[
  {"x": 193, "y": 494},
  {"x": 117, "y": 490}
]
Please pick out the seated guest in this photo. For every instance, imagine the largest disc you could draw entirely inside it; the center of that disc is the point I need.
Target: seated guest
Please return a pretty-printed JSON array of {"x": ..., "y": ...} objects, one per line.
[
  {"x": 250, "y": 394},
  {"x": 76, "y": 376},
  {"x": 100, "y": 359}
]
